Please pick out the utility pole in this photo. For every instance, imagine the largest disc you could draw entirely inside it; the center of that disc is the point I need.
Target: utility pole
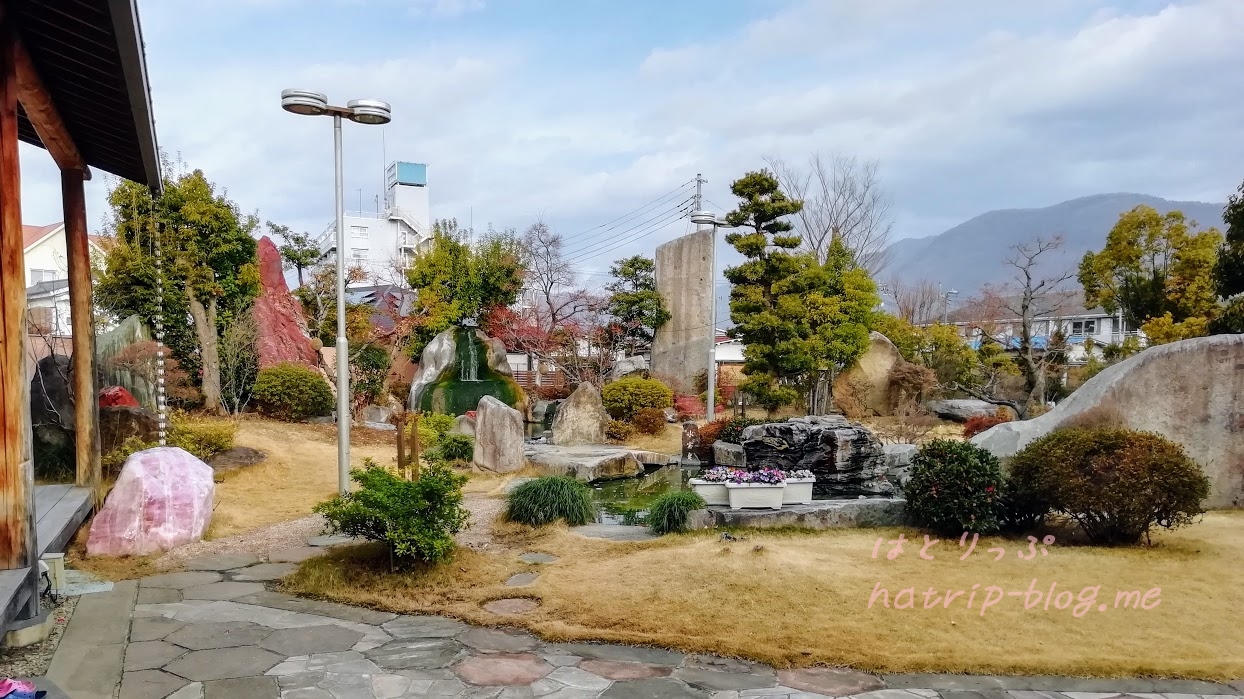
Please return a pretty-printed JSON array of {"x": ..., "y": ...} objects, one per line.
[
  {"x": 710, "y": 407},
  {"x": 699, "y": 197}
]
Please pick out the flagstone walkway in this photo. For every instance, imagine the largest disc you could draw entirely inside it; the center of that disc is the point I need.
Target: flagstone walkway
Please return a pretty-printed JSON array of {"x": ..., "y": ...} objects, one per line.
[{"x": 217, "y": 632}]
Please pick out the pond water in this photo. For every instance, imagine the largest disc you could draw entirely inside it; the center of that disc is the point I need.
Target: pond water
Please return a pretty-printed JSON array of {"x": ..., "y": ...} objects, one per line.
[{"x": 626, "y": 500}]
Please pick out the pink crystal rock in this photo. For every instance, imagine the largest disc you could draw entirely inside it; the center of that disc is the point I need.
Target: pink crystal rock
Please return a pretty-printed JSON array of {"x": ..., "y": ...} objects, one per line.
[{"x": 162, "y": 499}]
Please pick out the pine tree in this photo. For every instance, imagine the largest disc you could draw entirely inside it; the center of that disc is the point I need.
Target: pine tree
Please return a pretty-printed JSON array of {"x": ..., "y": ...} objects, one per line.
[{"x": 635, "y": 302}]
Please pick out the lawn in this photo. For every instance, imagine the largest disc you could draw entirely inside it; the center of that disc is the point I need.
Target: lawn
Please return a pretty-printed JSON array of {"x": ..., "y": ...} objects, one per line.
[{"x": 800, "y": 599}]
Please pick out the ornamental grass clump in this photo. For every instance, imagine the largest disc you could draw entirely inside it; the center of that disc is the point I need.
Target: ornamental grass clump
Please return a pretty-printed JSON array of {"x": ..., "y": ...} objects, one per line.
[
  {"x": 668, "y": 514},
  {"x": 546, "y": 500}
]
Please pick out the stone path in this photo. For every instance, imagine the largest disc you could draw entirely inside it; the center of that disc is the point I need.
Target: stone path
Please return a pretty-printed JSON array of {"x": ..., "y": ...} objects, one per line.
[{"x": 217, "y": 632}]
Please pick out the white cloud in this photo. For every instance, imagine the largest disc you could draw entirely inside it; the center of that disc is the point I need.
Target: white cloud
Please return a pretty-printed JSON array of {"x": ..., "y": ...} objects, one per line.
[{"x": 444, "y": 8}]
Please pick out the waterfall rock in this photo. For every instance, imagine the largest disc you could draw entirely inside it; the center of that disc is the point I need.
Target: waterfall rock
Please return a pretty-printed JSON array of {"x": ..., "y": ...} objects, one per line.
[
  {"x": 498, "y": 437},
  {"x": 846, "y": 458},
  {"x": 282, "y": 326},
  {"x": 1187, "y": 391},
  {"x": 581, "y": 418},
  {"x": 458, "y": 368}
]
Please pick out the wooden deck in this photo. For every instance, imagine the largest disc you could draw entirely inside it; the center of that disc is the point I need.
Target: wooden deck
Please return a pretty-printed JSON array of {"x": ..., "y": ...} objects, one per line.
[{"x": 59, "y": 511}]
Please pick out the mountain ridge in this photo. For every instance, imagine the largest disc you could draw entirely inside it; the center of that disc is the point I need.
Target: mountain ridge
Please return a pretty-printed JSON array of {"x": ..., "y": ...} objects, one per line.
[{"x": 970, "y": 254}]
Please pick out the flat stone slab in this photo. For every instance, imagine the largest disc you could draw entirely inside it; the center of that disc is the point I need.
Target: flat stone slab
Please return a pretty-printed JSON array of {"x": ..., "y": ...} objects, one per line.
[
  {"x": 223, "y": 663},
  {"x": 615, "y": 532},
  {"x": 830, "y": 681},
  {"x": 615, "y": 670},
  {"x": 588, "y": 463},
  {"x": 150, "y": 655},
  {"x": 179, "y": 581},
  {"x": 417, "y": 654},
  {"x": 619, "y": 653},
  {"x": 308, "y": 640},
  {"x": 536, "y": 557},
  {"x": 406, "y": 627},
  {"x": 718, "y": 681},
  {"x": 222, "y": 561},
  {"x": 223, "y": 634},
  {"x": 659, "y": 688},
  {"x": 153, "y": 628},
  {"x": 502, "y": 669},
  {"x": 220, "y": 591},
  {"x": 158, "y": 595},
  {"x": 521, "y": 579},
  {"x": 326, "y": 540},
  {"x": 149, "y": 684},
  {"x": 511, "y": 605},
  {"x": 334, "y": 610},
  {"x": 578, "y": 679},
  {"x": 264, "y": 572},
  {"x": 296, "y": 555},
  {"x": 821, "y": 514},
  {"x": 498, "y": 640},
  {"x": 242, "y": 688}
]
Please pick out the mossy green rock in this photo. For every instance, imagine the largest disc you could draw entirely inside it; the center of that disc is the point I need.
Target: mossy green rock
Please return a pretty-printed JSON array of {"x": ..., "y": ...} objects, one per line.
[{"x": 458, "y": 368}]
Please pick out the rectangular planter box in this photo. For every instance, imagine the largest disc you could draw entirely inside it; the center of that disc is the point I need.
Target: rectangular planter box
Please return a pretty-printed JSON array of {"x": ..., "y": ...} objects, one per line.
[
  {"x": 713, "y": 493},
  {"x": 798, "y": 491},
  {"x": 744, "y": 495}
]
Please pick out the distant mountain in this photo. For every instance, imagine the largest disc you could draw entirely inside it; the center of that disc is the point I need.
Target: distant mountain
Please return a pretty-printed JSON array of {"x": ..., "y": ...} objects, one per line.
[{"x": 971, "y": 254}]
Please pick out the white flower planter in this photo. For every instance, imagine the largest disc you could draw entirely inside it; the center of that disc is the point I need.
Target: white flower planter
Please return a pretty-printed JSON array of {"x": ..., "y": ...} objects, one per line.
[
  {"x": 744, "y": 495},
  {"x": 798, "y": 491},
  {"x": 713, "y": 493}
]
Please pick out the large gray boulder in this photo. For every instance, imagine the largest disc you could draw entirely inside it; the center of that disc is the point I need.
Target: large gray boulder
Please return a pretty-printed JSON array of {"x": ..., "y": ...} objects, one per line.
[
  {"x": 846, "y": 458},
  {"x": 868, "y": 380},
  {"x": 1189, "y": 392},
  {"x": 498, "y": 437},
  {"x": 581, "y": 418},
  {"x": 463, "y": 424},
  {"x": 120, "y": 422},
  {"x": 629, "y": 365},
  {"x": 588, "y": 463},
  {"x": 961, "y": 409}
]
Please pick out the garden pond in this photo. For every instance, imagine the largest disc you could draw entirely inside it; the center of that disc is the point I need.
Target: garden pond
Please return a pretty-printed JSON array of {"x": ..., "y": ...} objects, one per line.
[{"x": 626, "y": 500}]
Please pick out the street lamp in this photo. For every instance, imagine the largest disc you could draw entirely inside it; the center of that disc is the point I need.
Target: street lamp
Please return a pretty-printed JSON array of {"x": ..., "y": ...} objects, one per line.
[
  {"x": 706, "y": 218},
  {"x": 946, "y": 303},
  {"x": 308, "y": 103}
]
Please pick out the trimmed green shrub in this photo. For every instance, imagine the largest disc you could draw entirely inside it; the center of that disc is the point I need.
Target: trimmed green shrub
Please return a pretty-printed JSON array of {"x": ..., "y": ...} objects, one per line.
[
  {"x": 732, "y": 431},
  {"x": 954, "y": 487},
  {"x": 432, "y": 426},
  {"x": 290, "y": 391},
  {"x": 204, "y": 438},
  {"x": 668, "y": 513},
  {"x": 649, "y": 420},
  {"x": 625, "y": 397},
  {"x": 456, "y": 447},
  {"x": 544, "y": 500},
  {"x": 619, "y": 431},
  {"x": 1117, "y": 484},
  {"x": 416, "y": 519}
]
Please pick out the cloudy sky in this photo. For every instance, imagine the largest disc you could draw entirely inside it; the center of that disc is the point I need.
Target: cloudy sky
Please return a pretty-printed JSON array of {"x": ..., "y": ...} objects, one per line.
[{"x": 578, "y": 112}]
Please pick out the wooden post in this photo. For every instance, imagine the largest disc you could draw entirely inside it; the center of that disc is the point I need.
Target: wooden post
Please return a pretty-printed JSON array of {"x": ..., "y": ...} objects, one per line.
[
  {"x": 414, "y": 446},
  {"x": 399, "y": 419},
  {"x": 17, "y": 493},
  {"x": 85, "y": 397}
]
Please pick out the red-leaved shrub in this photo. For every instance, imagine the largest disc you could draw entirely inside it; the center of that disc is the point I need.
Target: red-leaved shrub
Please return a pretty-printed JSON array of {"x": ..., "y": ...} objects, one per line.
[
  {"x": 689, "y": 407},
  {"x": 979, "y": 423}
]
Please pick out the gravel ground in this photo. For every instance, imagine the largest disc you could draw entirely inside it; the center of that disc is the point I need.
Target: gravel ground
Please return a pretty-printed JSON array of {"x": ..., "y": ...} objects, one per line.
[
  {"x": 286, "y": 535},
  {"x": 33, "y": 661},
  {"x": 262, "y": 541}
]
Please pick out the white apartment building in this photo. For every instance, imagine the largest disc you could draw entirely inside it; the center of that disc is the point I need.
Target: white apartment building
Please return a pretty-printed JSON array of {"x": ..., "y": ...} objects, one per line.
[{"x": 383, "y": 242}]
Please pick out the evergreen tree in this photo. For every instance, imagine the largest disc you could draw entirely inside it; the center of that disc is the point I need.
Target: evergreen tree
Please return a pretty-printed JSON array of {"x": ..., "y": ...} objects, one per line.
[
  {"x": 299, "y": 250},
  {"x": 766, "y": 301},
  {"x": 209, "y": 269},
  {"x": 840, "y": 300},
  {"x": 635, "y": 302},
  {"x": 1229, "y": 268}
]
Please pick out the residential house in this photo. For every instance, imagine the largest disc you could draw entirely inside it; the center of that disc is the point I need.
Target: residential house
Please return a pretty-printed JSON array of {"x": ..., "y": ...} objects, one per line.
[
  {"x": 384, "y": 242},
  {"x": 47, "y": 277}
]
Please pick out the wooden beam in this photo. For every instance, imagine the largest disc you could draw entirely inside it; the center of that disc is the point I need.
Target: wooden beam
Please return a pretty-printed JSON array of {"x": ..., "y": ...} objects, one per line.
[
  {"x": 17, "y": 491},
  {"x": 81, "y": 315},
  {"x": 41, "y": 109}
]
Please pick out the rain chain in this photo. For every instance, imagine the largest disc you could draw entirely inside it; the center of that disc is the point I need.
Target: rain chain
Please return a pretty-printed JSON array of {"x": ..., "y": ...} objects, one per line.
[{"x": 161, "y": 401}]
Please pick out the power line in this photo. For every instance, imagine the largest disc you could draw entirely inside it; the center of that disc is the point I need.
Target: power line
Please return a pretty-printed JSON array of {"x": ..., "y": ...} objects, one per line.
[
  {"x": 677, "y": 209},
  {"x": 624, "y": 218},
  {"x": 642, "y": 233}
]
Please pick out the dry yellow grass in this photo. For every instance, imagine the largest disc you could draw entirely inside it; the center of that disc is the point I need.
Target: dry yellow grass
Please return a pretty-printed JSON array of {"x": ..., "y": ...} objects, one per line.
[
  {"x": 300, "y": 471},
  {"x": 799, "y": 599},
  {"x": 668, "y": 441}
]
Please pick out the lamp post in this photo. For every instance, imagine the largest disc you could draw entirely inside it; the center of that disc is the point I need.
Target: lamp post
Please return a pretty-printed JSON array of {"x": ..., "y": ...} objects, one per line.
[
  {"x": 946, "y": 303},
  {"x": 308, "y": 103},
  {"x": 706, "y": 218}
]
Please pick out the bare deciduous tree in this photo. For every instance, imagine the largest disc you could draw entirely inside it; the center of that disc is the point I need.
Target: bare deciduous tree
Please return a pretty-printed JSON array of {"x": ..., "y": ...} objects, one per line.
[
  {"x": 239, "y": 361},
  {"x": 842, "y": 197},
  {"x": 917, "y": 301},
  {"x": 551, "y": 277},
  {"x": 1036, "y": 296}
]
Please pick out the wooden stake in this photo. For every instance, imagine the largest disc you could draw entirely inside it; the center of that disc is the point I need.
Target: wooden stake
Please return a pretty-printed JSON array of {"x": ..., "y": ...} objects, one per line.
[
  {"x": 399, "y": 419},
  {"x": 17, "y": 511},
  {"x": 414, "y": 446},
  {"x": 85, "y": 397}
]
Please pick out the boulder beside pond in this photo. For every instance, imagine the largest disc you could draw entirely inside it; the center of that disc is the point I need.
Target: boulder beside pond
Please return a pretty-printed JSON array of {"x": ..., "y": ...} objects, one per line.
[
  {"x": 498, "y": 437},
  {"x": 162, "y": 499},
  {"x": 581, "y": 418}
]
